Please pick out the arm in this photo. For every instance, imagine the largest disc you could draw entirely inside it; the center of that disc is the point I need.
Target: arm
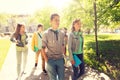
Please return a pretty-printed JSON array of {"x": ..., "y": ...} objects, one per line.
[
  {"x": 44, "y": 45},
  {"x": 26, "y": 41},
  {"x": 12, "y": 38},
  {"x": 69, "y": 48},
  {"x": 44, "y": 54},
  {"x": 65, "y": 43}
]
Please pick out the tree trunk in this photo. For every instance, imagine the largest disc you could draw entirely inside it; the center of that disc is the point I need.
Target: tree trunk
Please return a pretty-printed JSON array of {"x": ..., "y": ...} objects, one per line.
[{"x": 95, "y": 24}]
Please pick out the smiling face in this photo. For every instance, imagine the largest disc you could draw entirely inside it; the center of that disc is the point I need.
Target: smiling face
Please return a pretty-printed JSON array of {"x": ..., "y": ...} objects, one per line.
[{"x": 77, "y": 26}]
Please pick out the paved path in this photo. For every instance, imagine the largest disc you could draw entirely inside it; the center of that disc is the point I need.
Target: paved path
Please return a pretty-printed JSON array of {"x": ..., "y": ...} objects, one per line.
[{"x": 8, "y": 71}]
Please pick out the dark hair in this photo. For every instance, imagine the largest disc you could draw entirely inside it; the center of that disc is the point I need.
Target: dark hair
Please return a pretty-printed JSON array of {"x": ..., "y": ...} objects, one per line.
[
  {"x": 75, "y": 21},
  {"x": 17, "y": 31},
  {"x": 53, "y": 15},
  {"x": 39, "y": 25}
]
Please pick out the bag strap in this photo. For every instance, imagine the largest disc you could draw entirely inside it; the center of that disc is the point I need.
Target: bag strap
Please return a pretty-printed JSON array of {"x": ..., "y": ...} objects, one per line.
[
  {"x": 56, "y": 33},
  {"x": 40, "y": 36}
]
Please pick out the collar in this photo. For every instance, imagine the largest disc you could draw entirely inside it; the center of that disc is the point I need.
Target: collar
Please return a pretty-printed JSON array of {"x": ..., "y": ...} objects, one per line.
[{"x": 77, "y": 33}]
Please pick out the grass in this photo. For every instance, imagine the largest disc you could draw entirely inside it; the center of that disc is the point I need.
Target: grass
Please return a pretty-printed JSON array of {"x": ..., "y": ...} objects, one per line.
[
  {"x": 4, "y": 47},
  {"x": 109, "y": 50}
]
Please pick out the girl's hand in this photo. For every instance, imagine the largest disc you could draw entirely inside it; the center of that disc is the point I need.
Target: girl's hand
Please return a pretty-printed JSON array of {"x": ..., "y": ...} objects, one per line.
[
  {"x": 72, "y": 62},
  {"x": 17, "y": 41}
]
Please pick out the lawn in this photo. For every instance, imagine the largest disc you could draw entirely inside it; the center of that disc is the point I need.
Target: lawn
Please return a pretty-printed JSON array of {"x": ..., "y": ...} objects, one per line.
[
  {"x": 4, "y": 47},
  {"x": 109, "y": 50}
]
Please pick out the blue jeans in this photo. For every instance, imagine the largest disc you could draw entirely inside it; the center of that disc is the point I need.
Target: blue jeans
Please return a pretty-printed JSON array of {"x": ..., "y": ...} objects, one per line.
[
  {"x": 55, "y": 69},
  {"x": 78, "y": 71}
]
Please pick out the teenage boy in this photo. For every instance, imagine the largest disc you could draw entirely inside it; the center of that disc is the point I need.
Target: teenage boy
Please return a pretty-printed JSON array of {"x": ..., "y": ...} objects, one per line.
[
  {"x": 53, "y": 40},
  {"x": 37, "y": 46}
]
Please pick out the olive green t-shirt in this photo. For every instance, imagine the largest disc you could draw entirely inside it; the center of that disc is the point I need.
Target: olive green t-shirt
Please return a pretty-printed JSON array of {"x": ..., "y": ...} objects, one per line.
[{"x": 23, "y": 39}]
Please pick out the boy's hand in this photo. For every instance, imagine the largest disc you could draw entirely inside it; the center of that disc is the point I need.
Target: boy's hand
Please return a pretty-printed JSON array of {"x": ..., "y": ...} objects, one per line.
[{"x": 46, "y": 59}]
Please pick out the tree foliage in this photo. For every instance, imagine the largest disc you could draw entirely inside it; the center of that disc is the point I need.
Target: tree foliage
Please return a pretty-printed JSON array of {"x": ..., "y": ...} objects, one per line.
[
  {"x": 80, "y": 9},
  {"x": 4, "y": 18},
  {"x": 43, "y": 16},
  {"x": 108, "y": 12}
]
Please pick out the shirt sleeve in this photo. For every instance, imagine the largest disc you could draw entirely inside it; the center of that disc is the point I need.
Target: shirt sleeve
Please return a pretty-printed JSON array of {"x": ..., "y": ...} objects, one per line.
[
  {"x": 12, "y": 38},
  {"x": 44, "y": 40},
  {"x": 70, "y": 46},
  {"x": 63, "y": 38}
]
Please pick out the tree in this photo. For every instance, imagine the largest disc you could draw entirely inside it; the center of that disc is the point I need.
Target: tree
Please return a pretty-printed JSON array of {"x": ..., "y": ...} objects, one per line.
[
  {"x": 95, "y": 24},
  {"x": 3, "y": 20},
  {"x": 82, "y": 9},
  {"x": 108, "y": 12},
  {"x": 43, "y": 16}
]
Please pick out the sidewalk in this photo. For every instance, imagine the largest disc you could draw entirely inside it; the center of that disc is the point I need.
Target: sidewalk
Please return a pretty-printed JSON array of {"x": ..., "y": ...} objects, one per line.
[{"x": 8, "y": 71}]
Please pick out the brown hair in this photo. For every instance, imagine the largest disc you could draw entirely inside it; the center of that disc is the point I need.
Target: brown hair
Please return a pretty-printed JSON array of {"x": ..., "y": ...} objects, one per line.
[
  {"x": 39, "y": 25},
  {"x": 53, "y": 15},
  {"x": 73, "y": 23},
  {"x": 17, "y": 31}
]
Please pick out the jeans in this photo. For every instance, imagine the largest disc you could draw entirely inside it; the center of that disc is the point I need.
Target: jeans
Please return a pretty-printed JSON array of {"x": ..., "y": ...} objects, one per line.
[
  {"x": 55, "y": 69},
  {"x": 78, "y": 71},
  {"x": 19, "y": 56}
]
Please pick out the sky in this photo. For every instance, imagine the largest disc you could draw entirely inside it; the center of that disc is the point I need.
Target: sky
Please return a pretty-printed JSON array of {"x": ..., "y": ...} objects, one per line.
[{"x": 29, "y": 6}]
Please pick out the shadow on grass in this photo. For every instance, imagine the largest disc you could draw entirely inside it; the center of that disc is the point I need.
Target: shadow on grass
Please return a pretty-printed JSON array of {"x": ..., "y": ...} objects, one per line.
[
  {"x": 103, "y": 37},
  {"x": 109, "y": 51}
]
